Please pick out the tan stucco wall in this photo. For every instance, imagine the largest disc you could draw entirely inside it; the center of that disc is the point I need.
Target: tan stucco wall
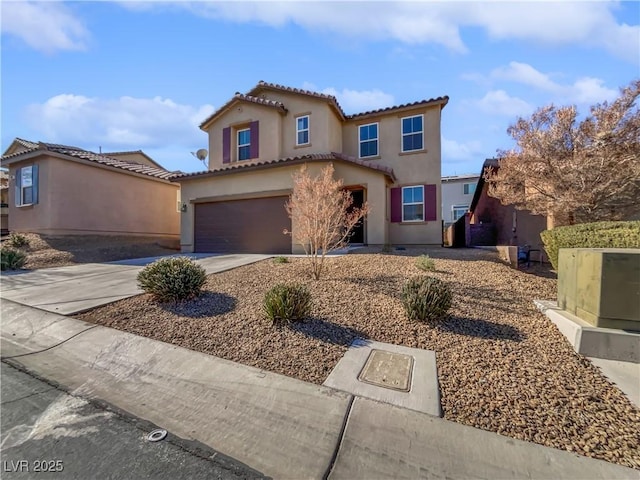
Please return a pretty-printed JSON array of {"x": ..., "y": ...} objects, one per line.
[
  {"x": 416, "y": 168},
  {"x": 277, "y": 130},
  {"x": 78, "y": 198},
  {"x": 278, "y": 181},
  {"x": 241, "y": 114}
]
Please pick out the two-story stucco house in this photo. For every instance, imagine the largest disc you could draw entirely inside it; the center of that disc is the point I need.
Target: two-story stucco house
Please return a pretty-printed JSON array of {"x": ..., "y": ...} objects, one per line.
[{"x": 389, "y": 158}]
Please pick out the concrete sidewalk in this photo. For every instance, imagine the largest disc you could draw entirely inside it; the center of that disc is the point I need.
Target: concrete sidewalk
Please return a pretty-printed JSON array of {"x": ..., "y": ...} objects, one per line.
[
  {"x": 279, "y": 426},
  {"x": 74, "y": 289}
]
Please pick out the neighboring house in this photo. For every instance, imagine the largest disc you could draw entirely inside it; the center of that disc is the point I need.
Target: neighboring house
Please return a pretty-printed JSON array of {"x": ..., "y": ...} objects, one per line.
[
  {"x": 457, "y": 193},
  {"x": 389, "y": 158},
  {"x": 492, "y": 223},
  {"x": 64, "y": 190},
  {"x": 4, "y": 202}
]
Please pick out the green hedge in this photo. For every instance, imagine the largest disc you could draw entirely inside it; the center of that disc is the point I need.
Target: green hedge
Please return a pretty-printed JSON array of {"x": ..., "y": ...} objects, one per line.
[{"x": 591, "y": 235}]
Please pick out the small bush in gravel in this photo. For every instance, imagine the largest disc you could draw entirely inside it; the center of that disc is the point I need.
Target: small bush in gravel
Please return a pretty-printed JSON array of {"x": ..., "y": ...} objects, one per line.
[
  {"x": 287, "y": 302},
  {"x": 172, "y": 279},
  {"x": 281, "y": 260},
  {"x": 11, "y": 259},
  {"x": 426, "y": 263},
  {"x": 18, "y": 240},
  {"x": 426, "y": 298}
]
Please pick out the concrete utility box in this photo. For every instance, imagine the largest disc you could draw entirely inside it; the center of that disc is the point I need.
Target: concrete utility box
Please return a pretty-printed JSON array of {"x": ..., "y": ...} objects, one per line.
[{"x": 601, "y": 286}]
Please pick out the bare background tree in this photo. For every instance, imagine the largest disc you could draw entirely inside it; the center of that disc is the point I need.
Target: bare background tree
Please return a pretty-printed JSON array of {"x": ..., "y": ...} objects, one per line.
[
  {"x": 321, "y": 215},
  {"x": 574, "y": 171}
]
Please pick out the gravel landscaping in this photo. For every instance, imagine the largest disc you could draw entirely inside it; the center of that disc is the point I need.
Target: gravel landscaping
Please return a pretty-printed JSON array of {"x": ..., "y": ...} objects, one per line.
[
  {"x": 502, "y": 365},
  {"x": 47, "y": 251}
]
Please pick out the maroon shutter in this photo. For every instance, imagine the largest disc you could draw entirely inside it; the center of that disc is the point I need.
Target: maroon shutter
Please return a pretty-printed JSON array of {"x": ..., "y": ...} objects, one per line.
[
  {"x": 396, "y": 205},
  {"x": 430, "y": 203},
  {"x": 226, "y": 145},
  {"x": 254, "y": 147}
]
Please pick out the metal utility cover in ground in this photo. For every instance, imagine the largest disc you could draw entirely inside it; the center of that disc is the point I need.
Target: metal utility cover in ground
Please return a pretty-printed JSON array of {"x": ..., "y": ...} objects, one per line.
[
  {"x": 422, "y": 393},
  {"x": 388, "y": 370}
]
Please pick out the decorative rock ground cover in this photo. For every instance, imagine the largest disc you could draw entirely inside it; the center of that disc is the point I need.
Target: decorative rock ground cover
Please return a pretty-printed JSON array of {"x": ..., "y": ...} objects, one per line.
[{"x": 502, "y": 365}]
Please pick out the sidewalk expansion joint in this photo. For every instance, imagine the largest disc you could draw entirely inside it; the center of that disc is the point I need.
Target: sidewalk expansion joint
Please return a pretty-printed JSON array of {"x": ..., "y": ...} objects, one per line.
[
  {"x": 51, "y": 347},
  {"x": 28, "y": 396},
  {"x": 343, "y": 429}
]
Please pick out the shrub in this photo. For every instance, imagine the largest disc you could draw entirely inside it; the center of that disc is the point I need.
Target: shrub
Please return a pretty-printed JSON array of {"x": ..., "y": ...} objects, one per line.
[
  {"x": 18, "y": 240},
  {"x": 591, "y": 235},
  {"x": 173, "y": 278},
  {"x": 426, "y": 263},
  {"x": 426, "y": 298},
  {"x": 287, "y": 302},
  {"x": 280, "y": 260},
  {"x": 11, "y": 259}
]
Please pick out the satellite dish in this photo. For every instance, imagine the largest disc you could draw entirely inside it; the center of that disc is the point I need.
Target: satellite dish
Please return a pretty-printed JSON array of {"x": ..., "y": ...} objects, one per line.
[{"x": 202, "y": 154}]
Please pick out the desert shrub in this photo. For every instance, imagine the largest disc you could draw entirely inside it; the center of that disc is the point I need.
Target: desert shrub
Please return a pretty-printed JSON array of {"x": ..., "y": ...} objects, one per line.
[
  {"x": 18, "y": 240},
  {"x": 280, "y": 260},
  {"x": 11, "y": 259},
  {"x": 287, "y": 302},
  {"x": 591, "y": 235},
  {"x": 426, "y": 298},
  {"x": 173, "y": 278},
  {"x": 426, "y": 263}
]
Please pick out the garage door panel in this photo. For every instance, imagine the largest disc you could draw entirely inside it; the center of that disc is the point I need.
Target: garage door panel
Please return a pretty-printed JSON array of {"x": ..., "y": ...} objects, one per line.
[{"x": 242, "y": 226}]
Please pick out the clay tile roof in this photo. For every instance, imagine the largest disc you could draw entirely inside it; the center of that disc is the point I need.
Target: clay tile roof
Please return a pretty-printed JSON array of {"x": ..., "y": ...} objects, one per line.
[
  {"x": 113, "y": 162},
  {"x": 439, "y": 100},
  {"x": 275, "y": 86},
  {"x": 289, "y": 160},
  {"x": 240, "y": 97},
  {"x": 102, "y": 159},
  {"x": 26, "y": 143}
]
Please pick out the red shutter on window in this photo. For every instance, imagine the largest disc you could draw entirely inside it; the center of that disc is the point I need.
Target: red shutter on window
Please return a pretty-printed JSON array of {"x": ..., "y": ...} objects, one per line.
[
  {"x": 396, "y": 205},
  {"x": 430, "y": 201},
  {"x": 254, "y": 148},
  {"x": 226, "y": 145}
]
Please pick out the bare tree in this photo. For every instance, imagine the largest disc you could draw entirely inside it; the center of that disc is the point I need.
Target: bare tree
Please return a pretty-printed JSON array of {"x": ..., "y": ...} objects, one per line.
[
  {"x": 573, "y": 170},
  {"x": 321, "y": 214}
]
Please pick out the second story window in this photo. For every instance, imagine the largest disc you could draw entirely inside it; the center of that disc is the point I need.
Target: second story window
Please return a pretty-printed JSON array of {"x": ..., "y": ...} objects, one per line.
[
  {"x": 244, "y": 144},
  {"x": 469, "y": 188},
  {"x": 302, "y": 130},
  {"x": 412, "y": 133},
  {"x": 368, "y": 137}
]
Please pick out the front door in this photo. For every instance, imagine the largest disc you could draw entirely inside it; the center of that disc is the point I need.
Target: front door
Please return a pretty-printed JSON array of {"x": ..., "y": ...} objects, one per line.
[{"x": 357, "y": 234}]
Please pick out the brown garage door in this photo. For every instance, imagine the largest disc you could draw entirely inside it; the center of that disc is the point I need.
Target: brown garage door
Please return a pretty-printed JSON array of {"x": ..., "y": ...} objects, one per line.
[{"x": 242, "y": 226}]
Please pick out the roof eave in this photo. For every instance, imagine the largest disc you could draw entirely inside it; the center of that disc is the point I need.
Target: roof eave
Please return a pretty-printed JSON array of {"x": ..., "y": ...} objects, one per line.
[{"x": 275, "y": 164}]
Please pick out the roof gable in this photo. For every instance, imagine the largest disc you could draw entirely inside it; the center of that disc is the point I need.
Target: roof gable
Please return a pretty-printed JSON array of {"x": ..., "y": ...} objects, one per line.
[{"x": 239, "y": 97}]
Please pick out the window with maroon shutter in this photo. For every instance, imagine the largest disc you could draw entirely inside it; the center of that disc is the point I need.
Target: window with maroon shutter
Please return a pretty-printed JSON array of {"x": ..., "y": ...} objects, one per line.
[
  {"x": 226, "y": 145},
  {"x": 254, "y": 148},
  {"x": 430, "y": 203},
  {"x": 396, "y": 205}
]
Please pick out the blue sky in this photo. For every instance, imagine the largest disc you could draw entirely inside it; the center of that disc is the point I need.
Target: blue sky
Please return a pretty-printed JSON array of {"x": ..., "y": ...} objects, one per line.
[{"x": 143, "y": 75}]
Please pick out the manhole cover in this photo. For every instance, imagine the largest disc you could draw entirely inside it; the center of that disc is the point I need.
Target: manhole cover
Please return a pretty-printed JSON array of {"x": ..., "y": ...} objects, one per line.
[{"x": 388, "y": 370}]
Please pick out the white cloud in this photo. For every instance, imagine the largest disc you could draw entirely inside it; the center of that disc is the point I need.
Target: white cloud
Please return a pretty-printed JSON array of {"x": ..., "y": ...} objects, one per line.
[
  {"x": 460, "y": 151},
  {"x": 117, "y": 123},
  {"x": 589, "y": 24},
  {"x": 583, "y": 91},
  {"x": 499, "y": 102},
  {"x": 44, "y": 26},
  {"x": 356, "y": 101}
]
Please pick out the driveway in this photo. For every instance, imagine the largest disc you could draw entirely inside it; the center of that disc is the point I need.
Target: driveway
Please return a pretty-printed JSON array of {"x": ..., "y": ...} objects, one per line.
[{"x": 69, "y": 290}]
